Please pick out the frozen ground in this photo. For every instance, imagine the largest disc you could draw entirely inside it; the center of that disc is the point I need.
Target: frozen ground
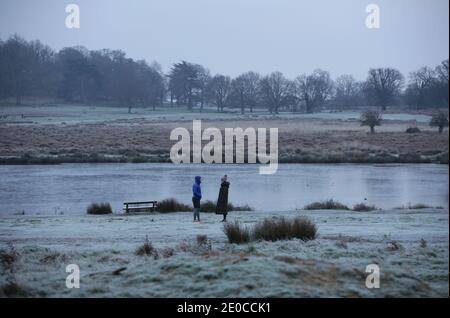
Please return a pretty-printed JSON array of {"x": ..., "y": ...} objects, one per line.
[{"x": 410, "y": 246}]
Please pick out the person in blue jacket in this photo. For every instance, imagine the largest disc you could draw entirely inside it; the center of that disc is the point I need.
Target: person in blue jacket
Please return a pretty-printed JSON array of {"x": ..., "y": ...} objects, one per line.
[{"x": 196, "y": 197}]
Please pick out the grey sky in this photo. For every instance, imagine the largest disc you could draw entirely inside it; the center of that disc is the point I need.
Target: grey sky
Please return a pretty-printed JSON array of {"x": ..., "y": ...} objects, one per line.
[{"x": 233, "y": 36}]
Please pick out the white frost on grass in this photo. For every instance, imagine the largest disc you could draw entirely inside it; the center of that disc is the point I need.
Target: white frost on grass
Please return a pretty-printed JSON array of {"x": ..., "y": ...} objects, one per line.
[
  {"x": 333, "y": 265},
  {"x": 75, "y": 114}
]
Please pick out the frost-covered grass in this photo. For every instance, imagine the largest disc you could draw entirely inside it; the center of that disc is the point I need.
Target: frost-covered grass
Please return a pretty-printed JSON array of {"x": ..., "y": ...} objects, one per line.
[{"x": 196, "y": 260}]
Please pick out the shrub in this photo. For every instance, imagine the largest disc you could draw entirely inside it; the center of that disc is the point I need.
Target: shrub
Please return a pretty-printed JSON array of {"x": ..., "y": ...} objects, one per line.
[
  {"x": 371, "y": 118},
  {"x": 413, "y": 130},
  {"x": 236, "y": 233},
  {"x": 362, "y": 207},
  {"x": 282, "y": 229},
  {"x": 326, "y": 205},
  {"x": 172, "y": 205},
  {"x": 208, "y": 206},
  {"x": 99, "y": 208},
  {"x": 440, "y": 120}
]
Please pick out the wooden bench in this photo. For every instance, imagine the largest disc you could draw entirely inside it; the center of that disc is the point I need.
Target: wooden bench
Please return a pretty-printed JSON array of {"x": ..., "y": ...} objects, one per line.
[{"x": 149, "y": 206}]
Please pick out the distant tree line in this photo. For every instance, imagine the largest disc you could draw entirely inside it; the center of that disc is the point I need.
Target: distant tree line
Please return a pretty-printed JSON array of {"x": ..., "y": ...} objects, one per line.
[{"x": 77, "y": 75}]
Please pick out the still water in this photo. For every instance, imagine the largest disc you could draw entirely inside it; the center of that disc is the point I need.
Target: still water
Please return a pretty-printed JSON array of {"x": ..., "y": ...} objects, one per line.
[{"x": 70, "y": 188}]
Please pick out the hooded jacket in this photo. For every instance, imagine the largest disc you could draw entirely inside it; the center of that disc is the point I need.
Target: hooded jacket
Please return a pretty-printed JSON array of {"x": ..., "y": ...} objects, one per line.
[{"x": 196, "y": 189}]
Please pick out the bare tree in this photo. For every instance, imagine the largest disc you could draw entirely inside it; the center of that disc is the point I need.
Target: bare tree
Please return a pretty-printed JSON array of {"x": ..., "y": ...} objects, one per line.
[
  {"x": 275, "y": 90},
  {"x": 383, "y": 85},
  {"x": 347, "y": 91},
  {"x": 420, "y": 81},
  {"x": 442, "y": 71},
  {"x": 442, "y": 76},
  {"x": 219, "y": 90},
  {"x": 245, "y": 90},
  {"x": 314, "y": 89}
]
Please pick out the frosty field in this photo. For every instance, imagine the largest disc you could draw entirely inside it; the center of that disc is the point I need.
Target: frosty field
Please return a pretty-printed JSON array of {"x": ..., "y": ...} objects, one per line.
[
  {"x": 410, "y": 247},
  {"x": 80, "y": 134}
]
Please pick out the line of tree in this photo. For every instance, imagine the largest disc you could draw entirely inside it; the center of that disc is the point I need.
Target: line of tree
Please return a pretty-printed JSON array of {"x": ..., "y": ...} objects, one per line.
[{"x": 77, "y": 75}]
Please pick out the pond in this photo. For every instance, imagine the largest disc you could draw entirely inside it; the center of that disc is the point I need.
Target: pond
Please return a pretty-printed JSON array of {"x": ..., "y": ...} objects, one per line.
[{"x": 70, "y": 188}]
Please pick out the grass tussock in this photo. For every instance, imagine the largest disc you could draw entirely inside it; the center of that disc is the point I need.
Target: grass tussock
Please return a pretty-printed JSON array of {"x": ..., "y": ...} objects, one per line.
[
  {"x": 168, "y": 252},
  {"x": 417, "y": 206},
  {"x": 362, "y": 207},
  {"x": 272, "y": 230},
  {"x": 240, "y": 208},
  {"x": 172, "y": 205},
  {"x": 9, "y": 258},
  {"x": 210, "y": 206},
  {"x": 202, "y": 239},
  {"x": 12, "y": 289},
  {"x": 202, "y": 246},
  {"x": 147, "y": 249},
  {"x": 99, "y": 209},
  {"x": 326, "y": 205},
  {"x": 284, "y": 229},
  {"x": 237, "y": 233}
]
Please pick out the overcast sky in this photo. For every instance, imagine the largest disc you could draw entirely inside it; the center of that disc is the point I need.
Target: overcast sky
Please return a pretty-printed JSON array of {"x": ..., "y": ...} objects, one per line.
[{"x": 233, "y": 36}]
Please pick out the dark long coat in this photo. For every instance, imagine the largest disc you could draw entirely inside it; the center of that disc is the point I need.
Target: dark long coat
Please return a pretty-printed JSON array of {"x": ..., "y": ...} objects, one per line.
[{"x": 222, "y": 201}]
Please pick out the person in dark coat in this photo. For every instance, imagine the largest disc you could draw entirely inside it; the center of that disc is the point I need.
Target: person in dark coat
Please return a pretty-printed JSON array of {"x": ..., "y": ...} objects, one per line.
[
  {"x": 222, "y": 201},
  {"x": 196, "y": 197}
]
